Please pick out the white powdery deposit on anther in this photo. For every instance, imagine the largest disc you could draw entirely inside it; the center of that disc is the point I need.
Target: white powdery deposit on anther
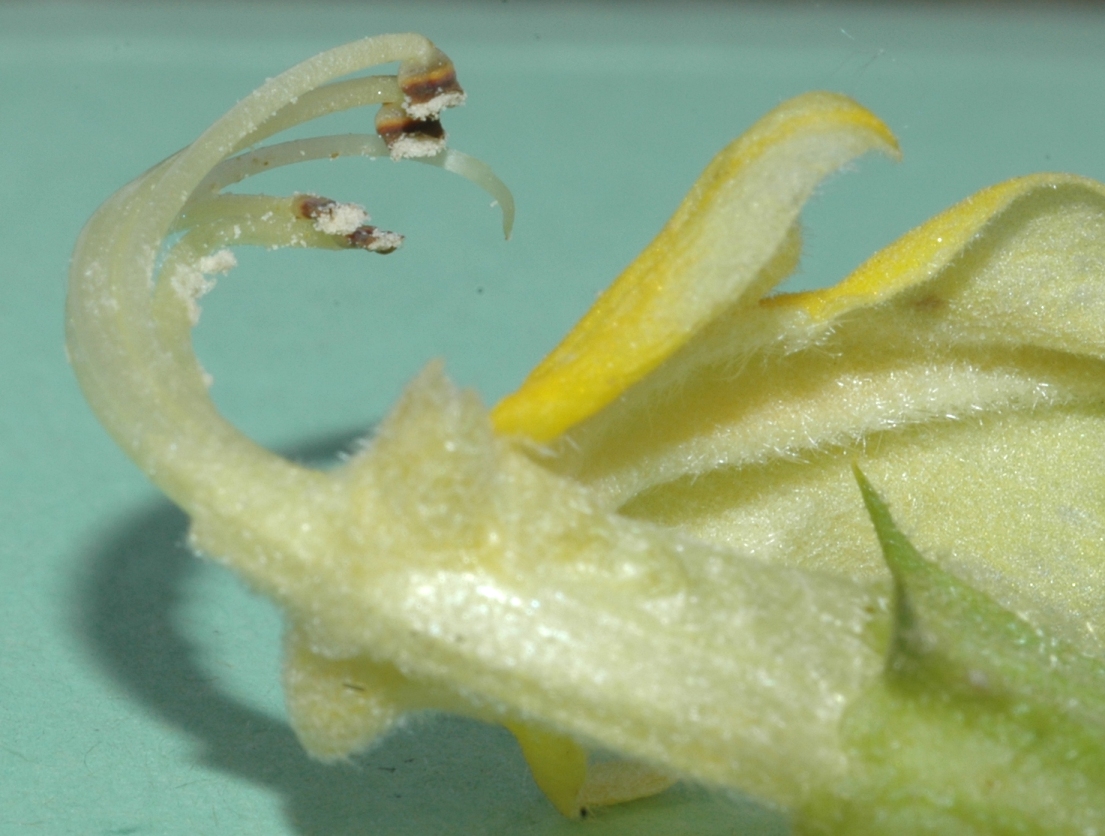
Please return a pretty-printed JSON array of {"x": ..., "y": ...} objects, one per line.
[
  {"x": 340, "y": 218},
  {"x": 430, "y": 109},
  {"x": 385, "y": 241},
  {"x": 408, "y": 147}
]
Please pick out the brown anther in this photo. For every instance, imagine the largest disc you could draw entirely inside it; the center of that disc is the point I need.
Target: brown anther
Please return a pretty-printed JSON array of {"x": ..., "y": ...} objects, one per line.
[
  {"x": 406, "y": 136},
  {"x": 429, "y": 86},
  {"x": 393, "y": 122},
  {"x": 374, "y": 240},
  {"x": 310, "y": 206}
]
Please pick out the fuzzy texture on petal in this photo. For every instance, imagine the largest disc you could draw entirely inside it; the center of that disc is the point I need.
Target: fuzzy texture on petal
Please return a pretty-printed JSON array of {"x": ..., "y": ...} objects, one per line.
[
  {"x": 963, "y": 366},
  {"x": 733, "y": 238}
]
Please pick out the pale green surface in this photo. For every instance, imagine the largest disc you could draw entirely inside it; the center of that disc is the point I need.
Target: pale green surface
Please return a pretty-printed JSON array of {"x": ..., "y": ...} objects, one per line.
[{"x": 138, "y": 691}]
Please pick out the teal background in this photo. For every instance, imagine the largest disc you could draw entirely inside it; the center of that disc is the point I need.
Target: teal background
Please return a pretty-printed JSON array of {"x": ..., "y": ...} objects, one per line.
[{"x": 139, "y": 687}]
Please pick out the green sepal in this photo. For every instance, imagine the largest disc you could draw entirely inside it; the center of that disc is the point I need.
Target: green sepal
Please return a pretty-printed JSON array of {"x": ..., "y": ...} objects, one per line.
[
  {"x": 980, "y": 724},
  {"x": 948, "y": 634}
]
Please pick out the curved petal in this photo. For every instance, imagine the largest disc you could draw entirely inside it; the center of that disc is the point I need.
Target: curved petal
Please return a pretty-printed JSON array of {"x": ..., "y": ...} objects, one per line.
[
  {"x": 968, "y": 379},
  {"x": 731, "y": 239},
  {"x": 1022, "y": 261}
]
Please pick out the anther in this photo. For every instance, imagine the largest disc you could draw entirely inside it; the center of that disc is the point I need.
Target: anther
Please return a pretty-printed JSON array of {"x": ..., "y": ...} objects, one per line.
[
  {"x": 429, "y": 86},
  {"x": 374, "y": 240},
  {"x": 409, "y": 137},
  {"x": 310, "y": 207},
  {"x": 330, "y": 217}
]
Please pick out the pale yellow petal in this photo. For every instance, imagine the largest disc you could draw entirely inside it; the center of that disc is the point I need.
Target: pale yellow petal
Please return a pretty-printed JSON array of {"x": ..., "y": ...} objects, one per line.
[
  {"x": 1011, "y": 504},
  {"x": 558, "y": 764},
  {"x": 972, "y": 388},
  {"x": 731, "y": 239},
  {"x": 338, "y": 707},
  {"x": 615, "y": 782},
  {"x": 1022, "y": 230},
  {"x": 974, "y": 336}
]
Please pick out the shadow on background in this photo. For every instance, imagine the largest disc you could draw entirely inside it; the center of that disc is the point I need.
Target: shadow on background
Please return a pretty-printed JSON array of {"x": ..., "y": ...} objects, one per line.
[{"x": 443, "y": 775}]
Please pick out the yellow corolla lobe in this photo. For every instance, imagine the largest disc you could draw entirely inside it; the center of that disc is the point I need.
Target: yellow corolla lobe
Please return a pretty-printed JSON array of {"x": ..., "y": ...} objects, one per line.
[
  {"x": 923, "y": 252},
  {"x": 733, "y": 237}
]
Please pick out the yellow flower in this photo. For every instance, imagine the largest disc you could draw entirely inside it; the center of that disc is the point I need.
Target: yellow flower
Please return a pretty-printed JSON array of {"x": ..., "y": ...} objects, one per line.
[
  {"x": 656, "y": 545},
  {"x": 961, "y": 366}
]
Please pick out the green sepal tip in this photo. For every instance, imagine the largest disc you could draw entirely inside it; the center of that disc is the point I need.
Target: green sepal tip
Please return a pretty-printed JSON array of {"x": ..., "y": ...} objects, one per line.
[{"x": 980, "y": 724}]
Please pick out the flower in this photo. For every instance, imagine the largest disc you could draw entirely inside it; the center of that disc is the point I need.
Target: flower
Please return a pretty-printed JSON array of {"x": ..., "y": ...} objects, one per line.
[
  {"x": 961, "y": 365},
  {"x": 656, "y": 545}
]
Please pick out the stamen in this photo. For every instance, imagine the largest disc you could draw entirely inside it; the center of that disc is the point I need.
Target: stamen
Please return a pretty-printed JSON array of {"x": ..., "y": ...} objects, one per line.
[
  {"x": 409, "y": 137},
  {"x": 309, "y": 206},
  {"x": 330, "y": 217},
  {"x": 429, "y": 86},
  {"x": 374, "y": 240},
  {"x": 330, "y": 98}
]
